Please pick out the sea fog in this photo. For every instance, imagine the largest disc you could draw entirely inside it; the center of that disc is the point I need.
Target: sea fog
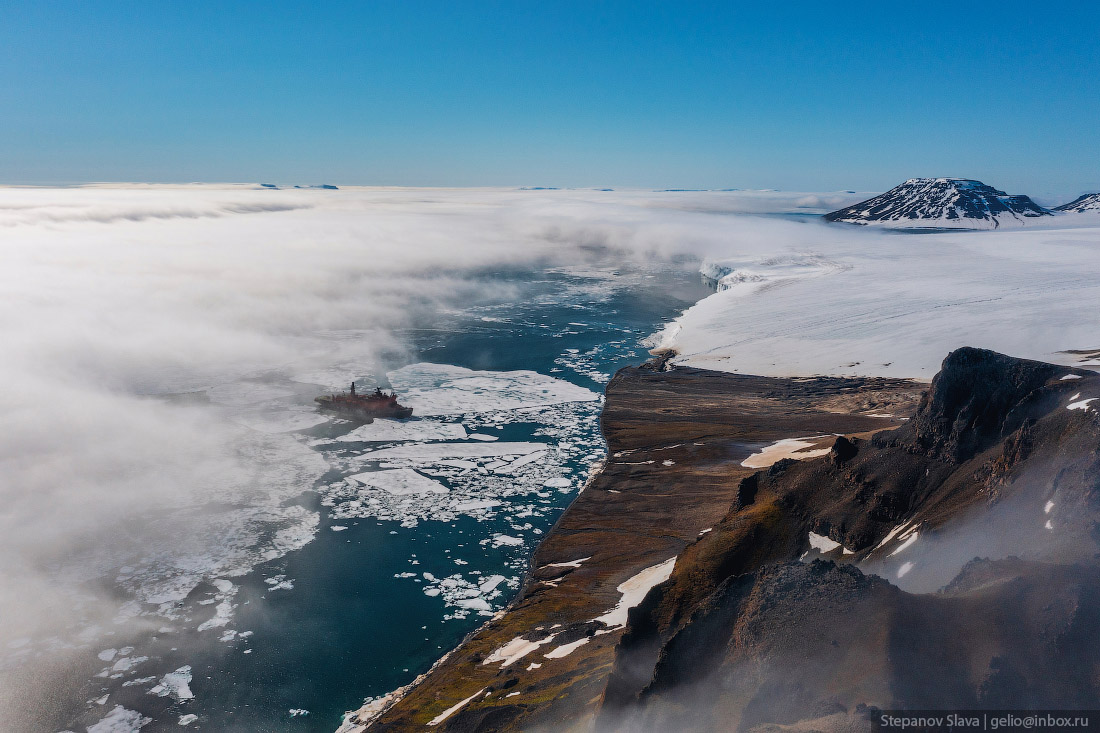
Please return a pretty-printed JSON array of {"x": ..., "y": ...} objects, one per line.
[{"x": 162, "y": 348}]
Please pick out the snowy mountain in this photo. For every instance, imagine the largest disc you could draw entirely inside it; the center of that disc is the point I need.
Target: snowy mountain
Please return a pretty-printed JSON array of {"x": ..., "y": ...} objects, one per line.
[
  {"x": 941, "y": 203},
  {"x": 1088, "y": 202}
]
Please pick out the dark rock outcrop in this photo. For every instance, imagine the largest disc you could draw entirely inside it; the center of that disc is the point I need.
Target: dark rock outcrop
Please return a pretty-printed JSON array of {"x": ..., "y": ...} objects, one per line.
[
  {"x": 991, "y": 465},
  {"x": 811, "y": 593},
  {"x": 800, "y": 642}
]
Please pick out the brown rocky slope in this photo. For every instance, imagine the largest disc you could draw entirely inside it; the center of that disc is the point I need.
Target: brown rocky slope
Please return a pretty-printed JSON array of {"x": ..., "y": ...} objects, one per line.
[
  {"x": 749, "y": 631},
  {"x": 1002, "y": 460}
]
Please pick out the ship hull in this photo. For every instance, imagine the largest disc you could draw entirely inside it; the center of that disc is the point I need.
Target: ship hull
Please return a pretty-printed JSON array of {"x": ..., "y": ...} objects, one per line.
[{"x": 364, "y": 412}]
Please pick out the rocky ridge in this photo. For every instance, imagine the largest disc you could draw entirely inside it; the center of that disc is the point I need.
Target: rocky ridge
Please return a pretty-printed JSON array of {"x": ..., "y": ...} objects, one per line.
[
  {"x": 1087, "y": 202},
  {"x": 948, "y": 563},
  {"x": 947, "y": 560}
]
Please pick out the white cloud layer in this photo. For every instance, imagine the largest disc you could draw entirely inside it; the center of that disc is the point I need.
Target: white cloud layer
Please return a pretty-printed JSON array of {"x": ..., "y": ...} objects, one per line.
[
  {"x": 118, "y": 300},
  {"x": 143, "y": 325}
]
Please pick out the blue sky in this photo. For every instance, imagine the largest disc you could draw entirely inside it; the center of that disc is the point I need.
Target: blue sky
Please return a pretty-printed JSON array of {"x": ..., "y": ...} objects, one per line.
[{"x": 813, "y": 96}]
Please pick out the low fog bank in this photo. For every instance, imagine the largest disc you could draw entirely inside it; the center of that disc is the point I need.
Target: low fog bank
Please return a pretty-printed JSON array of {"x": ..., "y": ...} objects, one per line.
[{"x": 141, "y": 323}]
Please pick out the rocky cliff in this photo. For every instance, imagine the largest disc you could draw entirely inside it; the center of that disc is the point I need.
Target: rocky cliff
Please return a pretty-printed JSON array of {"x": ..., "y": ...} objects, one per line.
[
  {"x": 985, "y": 507},
  {"x": 947, "y": 560}
]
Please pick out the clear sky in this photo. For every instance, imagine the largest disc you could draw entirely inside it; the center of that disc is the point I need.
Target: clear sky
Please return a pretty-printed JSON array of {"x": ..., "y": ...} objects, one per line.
[{"x": 797, "y": 96}]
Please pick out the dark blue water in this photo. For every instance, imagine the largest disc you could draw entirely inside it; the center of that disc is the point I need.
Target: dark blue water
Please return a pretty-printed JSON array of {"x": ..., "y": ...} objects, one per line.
[{"x": 349, "y": 629}]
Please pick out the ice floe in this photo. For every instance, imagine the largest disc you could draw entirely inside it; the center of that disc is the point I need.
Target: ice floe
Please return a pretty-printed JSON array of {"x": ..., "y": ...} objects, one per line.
[
  {"x": 399, "y": 481},
  {"x": 120, "y": 720},
  {"x": 175, "y": 685},
  {"x": 438, "y": 451},
  {"x": 484, "y": 478},
  {"x": 381, "y": 431},
  {"x": 464, "y": 594},
  {"x": 443, "y": 389}
]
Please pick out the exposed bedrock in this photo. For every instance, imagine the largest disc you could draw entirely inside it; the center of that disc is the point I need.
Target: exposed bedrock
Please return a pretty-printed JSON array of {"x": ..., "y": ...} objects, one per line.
[
  {"x": 810, "y": 592},
  {"x": 1000, "y": 462}
]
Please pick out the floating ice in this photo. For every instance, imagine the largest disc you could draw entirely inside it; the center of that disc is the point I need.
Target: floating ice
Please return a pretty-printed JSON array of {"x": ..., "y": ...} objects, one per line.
[
  {"x": 490, "y": 583},
  {"x": 399, "y": 481},
  {"x": 473, "y": 604},
  {"x": 188, "y": 719},
  {"x": 125, "y": 664},
  {"x": 437, "y": 451},
  {"x": 400, "y": 430},
  {"x": 120, "y": 720},
  {"x": 175, "y": 684},
  {"x": 486, "y": 480},
  {"x": 443, "y": 389}
]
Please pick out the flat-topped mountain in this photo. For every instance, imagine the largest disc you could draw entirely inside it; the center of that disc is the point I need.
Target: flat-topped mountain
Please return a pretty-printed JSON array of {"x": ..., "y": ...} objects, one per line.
[
  {"x": 941, "y": 203},
  {"x": 1087, "y": 202}
]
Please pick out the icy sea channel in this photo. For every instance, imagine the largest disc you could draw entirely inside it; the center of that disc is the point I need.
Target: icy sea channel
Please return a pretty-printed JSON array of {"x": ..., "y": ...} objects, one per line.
[{"x": 378, "y": 547}]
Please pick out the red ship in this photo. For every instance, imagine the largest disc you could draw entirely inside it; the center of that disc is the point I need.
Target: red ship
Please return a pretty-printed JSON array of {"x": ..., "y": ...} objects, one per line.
[{"x": 364, "y": 407}]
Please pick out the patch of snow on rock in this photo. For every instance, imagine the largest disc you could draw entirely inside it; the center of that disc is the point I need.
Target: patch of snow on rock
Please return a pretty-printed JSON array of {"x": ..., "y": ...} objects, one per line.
[{"x": 633, "y": 590}]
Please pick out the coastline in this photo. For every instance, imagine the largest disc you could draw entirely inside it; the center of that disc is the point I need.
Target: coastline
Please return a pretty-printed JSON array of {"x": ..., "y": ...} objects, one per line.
[
  {"x": 376, "y": 707},
  {"x": 548, "y": 653}
]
